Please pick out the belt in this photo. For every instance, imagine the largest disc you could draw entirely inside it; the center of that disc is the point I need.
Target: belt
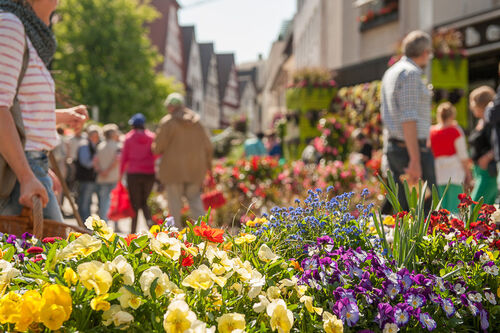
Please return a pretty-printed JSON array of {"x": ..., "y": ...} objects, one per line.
[
  {"x": 36, "y": 153},
  {"x": 401, "y": 143}
]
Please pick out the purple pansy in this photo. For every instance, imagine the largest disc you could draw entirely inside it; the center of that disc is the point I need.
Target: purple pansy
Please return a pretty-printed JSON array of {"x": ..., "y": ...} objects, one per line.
[{"x": 427, "y": 322}]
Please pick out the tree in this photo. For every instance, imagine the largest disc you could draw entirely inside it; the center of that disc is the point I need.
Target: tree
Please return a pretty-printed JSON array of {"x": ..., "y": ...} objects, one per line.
[{"x": 106, "y": 59}]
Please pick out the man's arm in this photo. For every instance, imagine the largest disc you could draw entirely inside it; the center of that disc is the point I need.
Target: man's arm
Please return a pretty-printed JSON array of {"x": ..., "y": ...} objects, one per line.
[
  {"x": 414, "y": 169},
  {"x": 84, "y": 157},
  {"x": 13, "y": 154}
]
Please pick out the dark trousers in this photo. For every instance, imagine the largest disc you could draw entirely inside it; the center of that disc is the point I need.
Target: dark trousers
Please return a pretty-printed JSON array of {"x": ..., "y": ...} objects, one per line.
[
  {"x": 398, "y": 158},
  {"x": 139, "y": 188}
]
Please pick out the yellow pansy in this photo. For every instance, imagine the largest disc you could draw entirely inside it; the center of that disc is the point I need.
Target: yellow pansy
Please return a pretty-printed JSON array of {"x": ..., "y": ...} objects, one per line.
[
  {"x": 70, "y": 276},
  {"x": 53, "y": 316},
  {"x": 266, "y": 254},
  {"x": 162, "y": 284},
  {"x": 123, "y": 319},
  {"x": 122, "y": 266},
  {"x": 308, "y": 302},
  {"x": 166, "y": 246},
  {"x": 99, "y": 303},
  {"x": 127, "y": 299},
  {"x": 281, "y": 318},
  {"x": 107, "y": 316},
  {"x": 389, "y": 220},
  {"x": 93, "y": 275},
  {"x": 231, "y": 322},
  {"x": 200, "y": 278},
  {"x": 178, "y": 318},
  {"x": 84, "y": 245},
  {"x": 30, "y": 309},
  {"x": 246, "y": 238},
  {"x": 100, "y": 227},
  {"x": 273, "y": 293},
  {"x": 59, "y": 295},
  {"x": 10, "y": 306},
  {"x": 155, "y": 229},
  {"x": 331, "y": 324}
]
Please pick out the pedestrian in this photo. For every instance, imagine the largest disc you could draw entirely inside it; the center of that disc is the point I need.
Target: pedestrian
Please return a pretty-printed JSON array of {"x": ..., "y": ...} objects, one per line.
[
  {"x": 138, "y": 163},
  {"x": 363, "y": 145},
  {"x": 484, "y": 170},
  {"x": 186, "y": 156},
  {"x": 28, "y": 114},
  {"x": 107, "y": 166},
  {"x": 86, "y": 174},
  {"x": 254, "y": 146},
  {"x": 406, "y": 114},
  {"x": 492, "y": 116},
  {"x": 274, "y": 145},
  {"x": 451, "y": 160}
]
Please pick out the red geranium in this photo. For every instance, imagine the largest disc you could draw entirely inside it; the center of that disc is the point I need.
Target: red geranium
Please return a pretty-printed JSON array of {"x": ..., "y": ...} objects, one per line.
[
  {"x": 35, "y": 249},
  {"x": 187, "y": 261},
  {"x": 209, "y": 233}
]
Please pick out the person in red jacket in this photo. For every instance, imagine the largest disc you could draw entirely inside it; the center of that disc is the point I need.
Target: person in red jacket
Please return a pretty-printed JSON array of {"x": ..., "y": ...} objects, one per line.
[
  {"x": 138, "y": 163},
  {"x": 451, "y": 160}
]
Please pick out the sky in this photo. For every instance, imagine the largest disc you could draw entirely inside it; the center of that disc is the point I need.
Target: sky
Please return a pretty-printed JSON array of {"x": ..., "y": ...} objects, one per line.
[{"x": 245, "y": 27}]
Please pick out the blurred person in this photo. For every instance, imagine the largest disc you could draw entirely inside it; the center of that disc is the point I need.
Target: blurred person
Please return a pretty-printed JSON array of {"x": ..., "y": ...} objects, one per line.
[
  {"x": 255, "y": 146},
  {"x": 492, "y": 116},
  {"x": 186, "y": 157},
  {"x": 59, "y": 153},
  {"x": 138, "y": 163},
  {"x": 481, "y": 149},
  {"x": 363, "y": 145},
  {"x": 107, "y": 166},
  {"x": 28, "y": 114},
  {"x": 274, "y": 146},
  {"x": 452, "y": 163},
  {"x": 86, "y": 174},
  {"x": 310, "y": 154},
  {"x": 406, "y": 115}
]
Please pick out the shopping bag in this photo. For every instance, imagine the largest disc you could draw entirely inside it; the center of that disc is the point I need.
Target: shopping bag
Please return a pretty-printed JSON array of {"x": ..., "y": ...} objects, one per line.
[
  {"x": 120, "y": 206},
  {"x": 212, "y": 197}
]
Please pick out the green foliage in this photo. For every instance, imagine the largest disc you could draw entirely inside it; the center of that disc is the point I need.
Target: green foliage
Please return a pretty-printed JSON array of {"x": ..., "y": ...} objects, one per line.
[
  {"x": 410, "y": 228},
  {"x": 105, "y": 58}
]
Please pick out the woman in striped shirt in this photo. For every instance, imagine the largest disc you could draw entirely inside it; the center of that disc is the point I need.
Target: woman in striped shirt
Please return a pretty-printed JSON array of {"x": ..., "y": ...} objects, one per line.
[{"x": 24, "y": 27}]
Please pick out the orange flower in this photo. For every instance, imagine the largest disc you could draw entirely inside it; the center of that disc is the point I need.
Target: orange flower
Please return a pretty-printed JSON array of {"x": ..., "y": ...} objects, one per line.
[
  {"x": 211, "y": 234},
  {"x": 130, "y": 238},
  {"x": 295, "y": 264},
  {"x": 228, "y": 246}
]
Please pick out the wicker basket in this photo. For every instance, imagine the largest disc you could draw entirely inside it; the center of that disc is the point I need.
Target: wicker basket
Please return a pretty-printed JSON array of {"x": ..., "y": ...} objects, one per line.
[{"x": 32, "y": 221}]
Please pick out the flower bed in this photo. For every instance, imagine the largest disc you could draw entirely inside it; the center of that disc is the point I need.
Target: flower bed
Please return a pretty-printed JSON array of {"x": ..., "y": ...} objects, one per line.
[{"x": 319, "y": 265}]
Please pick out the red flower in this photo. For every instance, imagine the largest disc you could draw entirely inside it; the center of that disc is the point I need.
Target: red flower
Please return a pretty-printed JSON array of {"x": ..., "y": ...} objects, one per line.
[
  {"x": 188, "y": 261},
  {"x": 211, "y": 234},
  {"x": 465, "y": 200},
  {"x": 34, "y": 249},
  {"x": 130, "y": 238},
  {"x": 50, "y": 239},
  {"x": 37, "y": 258}
]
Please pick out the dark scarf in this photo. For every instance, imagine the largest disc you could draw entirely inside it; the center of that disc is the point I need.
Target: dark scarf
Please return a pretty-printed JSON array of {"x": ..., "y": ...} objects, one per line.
[{"x": 38, "y": 32}]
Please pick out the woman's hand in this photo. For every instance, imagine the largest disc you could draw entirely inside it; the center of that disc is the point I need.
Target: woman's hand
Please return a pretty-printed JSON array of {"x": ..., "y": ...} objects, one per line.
[
  {"x": 484, "y": 160},
  {"x": 74, "y": 117},
  {"x": 31, "y": 187}
]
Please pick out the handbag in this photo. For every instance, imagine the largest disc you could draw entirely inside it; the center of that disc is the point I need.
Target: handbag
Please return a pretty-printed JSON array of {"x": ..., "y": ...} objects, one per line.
[
  {"x": 212, "y": 197},
  {"x": 7, "y": 176},
  {"x": 120, "y": 206}
]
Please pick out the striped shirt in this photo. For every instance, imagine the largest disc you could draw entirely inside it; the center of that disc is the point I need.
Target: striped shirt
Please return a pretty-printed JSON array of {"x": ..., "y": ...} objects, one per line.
[
  {"x": 36, "y": 94},
  {"x": 404, "y": 98}
]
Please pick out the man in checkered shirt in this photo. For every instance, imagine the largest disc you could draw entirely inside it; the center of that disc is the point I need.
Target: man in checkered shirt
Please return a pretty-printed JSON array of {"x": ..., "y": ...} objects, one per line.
[{"x": 406, "y": 113}]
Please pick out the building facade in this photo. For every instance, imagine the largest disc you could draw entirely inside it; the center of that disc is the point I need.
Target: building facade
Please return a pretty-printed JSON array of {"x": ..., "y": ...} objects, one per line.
[
  {"x": 192, "y": 71},
  {"x": 228, "y": 89},
  {"x": 211, "y": 106},
  {"x": 356, "y": 39},
  {"x": 165, "y": 34}
]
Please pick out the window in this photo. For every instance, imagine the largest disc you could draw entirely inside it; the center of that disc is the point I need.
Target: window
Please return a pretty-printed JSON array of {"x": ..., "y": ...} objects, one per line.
[{"x": 374, "y": 13}]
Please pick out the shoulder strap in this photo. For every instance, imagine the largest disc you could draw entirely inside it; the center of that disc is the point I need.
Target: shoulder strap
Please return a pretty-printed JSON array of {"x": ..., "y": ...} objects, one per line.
[{"x": 24, "y": 67}]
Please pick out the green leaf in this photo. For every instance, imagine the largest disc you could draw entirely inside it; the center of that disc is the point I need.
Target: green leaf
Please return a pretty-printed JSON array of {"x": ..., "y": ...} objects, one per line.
[
  {"x": 133, "y": 291},
  {"x": 50, "y": 257},
  {"x": 9, "y": 254},
  {"x": 152, "y": 289}
]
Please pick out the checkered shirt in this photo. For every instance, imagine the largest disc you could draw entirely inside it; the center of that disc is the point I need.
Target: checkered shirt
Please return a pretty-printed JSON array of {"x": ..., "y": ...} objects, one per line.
[{"x": 405, "y": 97}]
